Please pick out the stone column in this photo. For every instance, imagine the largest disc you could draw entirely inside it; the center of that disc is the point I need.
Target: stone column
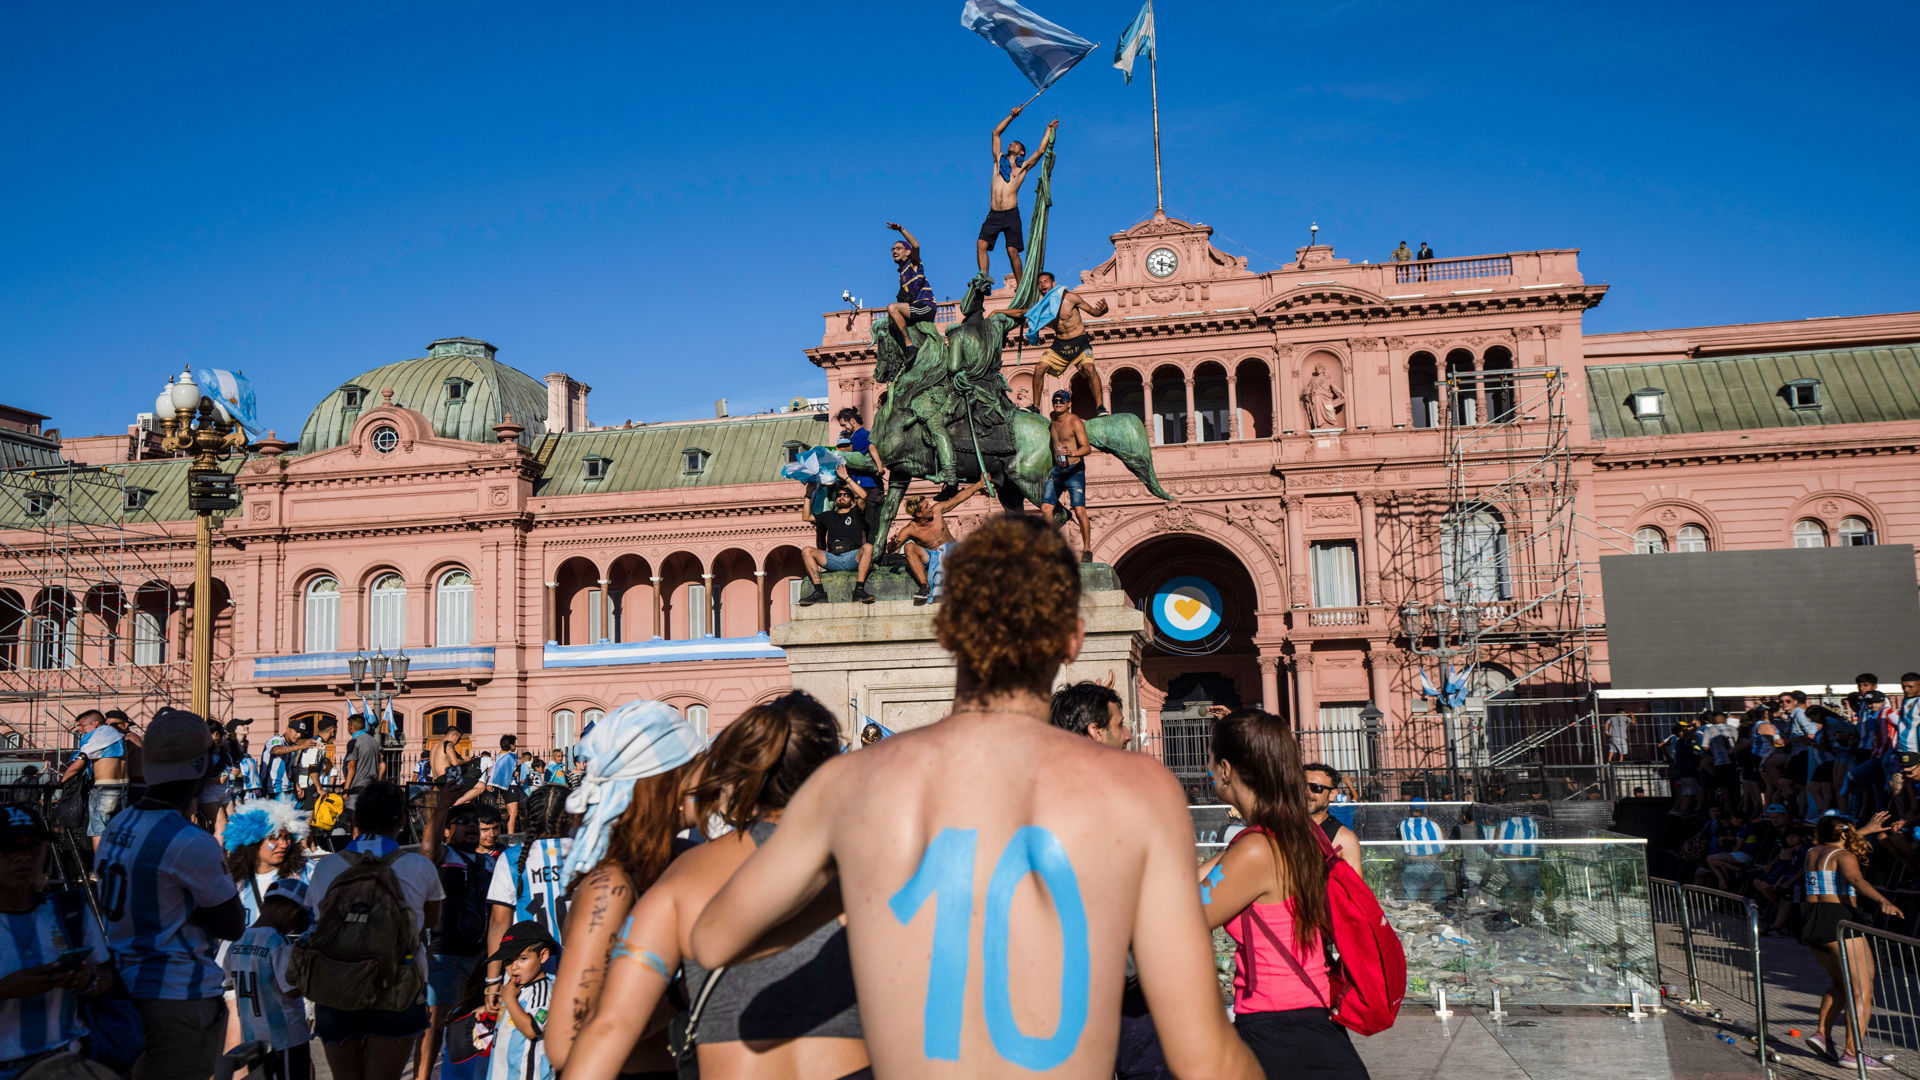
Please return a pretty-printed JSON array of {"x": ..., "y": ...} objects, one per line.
[
  {"x": 765, "y": 620},
  {"x": 604, "y": 631},
  {"x": 1233, "y": 409},
  {"x": 1369, "y": 550},
  {"x": 1193, "y": 422},
  {"x": 553, "y": 613},
  {"x": 1270, "y": 683},
  {"x": 1306, "y": 715},
  {"x": 1299, "y": 584},
  {"x": 659, "y": 611},
  {"x": 1380, "y": 665},
  {"x": 706, "y": 587}
]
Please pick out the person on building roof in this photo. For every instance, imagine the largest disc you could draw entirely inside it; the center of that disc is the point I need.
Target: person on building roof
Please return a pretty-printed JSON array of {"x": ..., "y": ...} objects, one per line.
[
  {"x": 1003, "y": 200},
  {"x": 926, "y": 539}
]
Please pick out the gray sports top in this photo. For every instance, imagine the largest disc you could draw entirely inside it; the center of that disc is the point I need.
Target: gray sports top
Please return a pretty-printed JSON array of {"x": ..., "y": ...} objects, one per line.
[{"x": 805, "y": 992}]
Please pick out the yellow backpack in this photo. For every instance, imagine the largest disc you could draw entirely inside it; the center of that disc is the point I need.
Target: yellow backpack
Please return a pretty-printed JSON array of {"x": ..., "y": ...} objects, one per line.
[{"x": 327, "y": 810}]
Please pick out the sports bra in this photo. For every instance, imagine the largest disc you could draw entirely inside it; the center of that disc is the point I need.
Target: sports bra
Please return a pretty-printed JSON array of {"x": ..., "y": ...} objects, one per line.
[
  {"x": 804, "y": 992},
  {"x": 1826, "y": 880}
]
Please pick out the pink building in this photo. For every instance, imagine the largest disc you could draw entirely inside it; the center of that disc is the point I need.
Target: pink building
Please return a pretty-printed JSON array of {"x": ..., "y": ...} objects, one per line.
[{"x": 538, "y": 570}]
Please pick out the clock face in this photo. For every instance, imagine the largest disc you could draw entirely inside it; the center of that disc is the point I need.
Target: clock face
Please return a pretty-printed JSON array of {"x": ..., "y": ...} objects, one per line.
[{"x": 1162, "y": 262}]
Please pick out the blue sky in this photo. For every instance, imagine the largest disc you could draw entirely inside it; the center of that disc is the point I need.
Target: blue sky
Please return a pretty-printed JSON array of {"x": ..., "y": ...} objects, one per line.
[{"x": 662, "y": 203}]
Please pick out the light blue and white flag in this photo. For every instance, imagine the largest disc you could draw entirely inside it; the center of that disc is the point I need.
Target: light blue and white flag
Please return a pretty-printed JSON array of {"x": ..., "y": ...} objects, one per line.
[
  {"x": 232, "y": 394},
  {"x": 1426, "y": 685},
  {"x": 1043, "y": 51},
  {"x": 817, "y": 465},
  {"x": 1135, "y": 41},
  {"x": 1044, "y": 312},
  {"x": 386, "y": 720}
]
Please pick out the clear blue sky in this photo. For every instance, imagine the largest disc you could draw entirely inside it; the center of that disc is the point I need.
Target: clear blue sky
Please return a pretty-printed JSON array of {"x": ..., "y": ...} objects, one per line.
[{"x": 661, "y": 201}]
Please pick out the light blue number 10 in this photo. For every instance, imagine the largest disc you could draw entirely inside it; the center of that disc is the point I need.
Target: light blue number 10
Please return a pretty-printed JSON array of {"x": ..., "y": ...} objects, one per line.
[{"x": 946, "y": 872}]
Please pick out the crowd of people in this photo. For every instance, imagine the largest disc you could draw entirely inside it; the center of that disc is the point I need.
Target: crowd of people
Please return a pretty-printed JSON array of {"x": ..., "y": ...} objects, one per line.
[
  {"x": 773, "y": 904},
  {"x": 1811, "y": 810}
]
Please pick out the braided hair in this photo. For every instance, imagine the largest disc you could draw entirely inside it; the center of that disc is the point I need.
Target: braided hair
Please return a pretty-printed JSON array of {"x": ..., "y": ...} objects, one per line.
[{"x": 545, "y": 815}]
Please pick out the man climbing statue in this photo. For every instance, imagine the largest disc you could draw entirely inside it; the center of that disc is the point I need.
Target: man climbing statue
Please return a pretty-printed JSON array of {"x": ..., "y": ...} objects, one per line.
[
  {"x": 914, "y": 303},
  {"x": 1059, "y": 309},
  {"x": 1010, "y": 170}
]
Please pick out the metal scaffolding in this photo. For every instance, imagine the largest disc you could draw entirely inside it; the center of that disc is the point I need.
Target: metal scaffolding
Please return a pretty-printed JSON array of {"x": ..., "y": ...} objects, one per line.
[
  {"x": 90, "y": 616},
  {"x": 1499, "y": 606}
]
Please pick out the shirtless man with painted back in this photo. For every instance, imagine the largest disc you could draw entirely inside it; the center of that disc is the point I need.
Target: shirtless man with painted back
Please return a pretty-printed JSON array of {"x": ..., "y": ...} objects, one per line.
[{"x": 965, "y": 964}]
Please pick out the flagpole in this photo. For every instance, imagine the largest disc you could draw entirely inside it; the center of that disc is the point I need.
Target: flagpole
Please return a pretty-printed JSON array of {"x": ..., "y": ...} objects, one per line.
[{"x": 1153, "y": 70}]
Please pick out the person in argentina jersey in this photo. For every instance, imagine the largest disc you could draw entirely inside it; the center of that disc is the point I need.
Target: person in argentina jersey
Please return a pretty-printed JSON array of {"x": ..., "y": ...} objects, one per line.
[
  {"x": 39, "y": 999},
  {"x": 526, "y": 952},
  {"x": 1521, "y": 862},
  {"x": 527, "y": 881},
  {"x": 270, "y": 1008},
  {"x": 168, "y": 902}
]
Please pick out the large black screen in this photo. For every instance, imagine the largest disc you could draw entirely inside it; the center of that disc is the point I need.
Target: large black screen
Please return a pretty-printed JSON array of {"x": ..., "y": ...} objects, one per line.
[{"x": 1792, "y": 617}]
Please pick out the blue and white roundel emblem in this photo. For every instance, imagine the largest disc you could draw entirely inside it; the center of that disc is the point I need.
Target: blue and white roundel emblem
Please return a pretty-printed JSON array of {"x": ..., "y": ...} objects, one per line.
[{"x": 1187, "y": 608}]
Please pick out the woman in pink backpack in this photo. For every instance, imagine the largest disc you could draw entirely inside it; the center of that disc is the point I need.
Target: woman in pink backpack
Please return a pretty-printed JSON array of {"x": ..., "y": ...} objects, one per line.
[{"x": 1269, "y": 889}]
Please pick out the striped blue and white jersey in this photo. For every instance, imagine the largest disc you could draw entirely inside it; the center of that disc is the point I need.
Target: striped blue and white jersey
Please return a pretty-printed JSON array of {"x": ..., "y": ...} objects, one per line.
[
  {"x": 265, "y": 1001},
  {"x": 1906, "y": 726},
  {"x": 277, "y": 769},
  {"x": 52, "y": 1020},
  {"x": 155, "y": 869},
  {"x": 514, "y": 1056},
  {"x": 103, "y": 742},
  {"x": 250, "y": 775},
  {"x": 506, "y": 772},
  {"x": 537, "y": 892},
  {"x": 1807, "y": 727},
  {"x": 249, "y": 894},
  {"x": 1421, "y": 828},
  {"x": 1518, "y": 828}
]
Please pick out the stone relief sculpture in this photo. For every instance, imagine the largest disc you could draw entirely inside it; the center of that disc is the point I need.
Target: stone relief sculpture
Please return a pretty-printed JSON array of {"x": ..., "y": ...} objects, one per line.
[{"x": 1325, "y": 402}]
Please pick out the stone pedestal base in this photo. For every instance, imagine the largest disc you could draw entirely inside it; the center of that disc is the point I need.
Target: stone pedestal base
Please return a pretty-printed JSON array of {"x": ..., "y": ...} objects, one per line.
[{"x": 880, "y": 661}]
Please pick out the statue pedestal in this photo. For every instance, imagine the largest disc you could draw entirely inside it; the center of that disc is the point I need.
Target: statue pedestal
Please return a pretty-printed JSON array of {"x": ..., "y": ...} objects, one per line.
[{"x": 880, "y": 661}]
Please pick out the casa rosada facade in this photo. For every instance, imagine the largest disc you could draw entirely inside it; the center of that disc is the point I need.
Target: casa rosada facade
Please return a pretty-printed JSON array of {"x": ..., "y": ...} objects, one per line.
[{"x": 538, "y": 570}]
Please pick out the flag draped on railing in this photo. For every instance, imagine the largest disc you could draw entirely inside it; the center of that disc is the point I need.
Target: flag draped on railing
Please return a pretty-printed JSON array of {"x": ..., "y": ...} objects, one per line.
[
  {"x": 1042, "y": 50},
  {"x": 1136, "y": 40}
]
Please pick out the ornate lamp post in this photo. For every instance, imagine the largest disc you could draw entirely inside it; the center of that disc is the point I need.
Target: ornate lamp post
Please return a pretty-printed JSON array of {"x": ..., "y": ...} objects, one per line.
[
  {"x": 376, "y": 668},
  {"x": 1370, "y": 718},
  {"x": 195, "y": 426},
  {"x": 1455, "y": 629}
]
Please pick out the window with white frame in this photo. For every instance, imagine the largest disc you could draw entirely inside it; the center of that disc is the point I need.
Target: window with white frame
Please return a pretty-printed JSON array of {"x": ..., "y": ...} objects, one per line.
[
  {"x": 453, "y": 609},
  {"x": 1855, "y": 532},
  {"x": 697, "y": 716},
  {"x": 697, "y": 611},
  {"x": 564, "y": 733},
  {"x": 149, "y": 638},
  {"x": 1336, "y": 576},
  {"x": 1474, "y": 557},
  {"x": 1808, "y": 533},
  {"x": 1648, "y": 540},
  {"x": 590, "y": 717},
  {"x": 387, "y": 614},
  {"x": 323, "y": 615},
  {"x": 1691, "y": 538},
  {"x": 56, "y": 641}
]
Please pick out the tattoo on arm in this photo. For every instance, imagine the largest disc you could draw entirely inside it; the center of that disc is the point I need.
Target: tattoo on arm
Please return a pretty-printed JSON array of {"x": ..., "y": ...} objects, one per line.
[{"x": 1213, "y": 882}]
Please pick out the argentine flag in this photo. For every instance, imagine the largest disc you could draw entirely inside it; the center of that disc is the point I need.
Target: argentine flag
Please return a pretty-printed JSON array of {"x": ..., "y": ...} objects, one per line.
[
  {"x": 232, "y": 395},
  {"x": 1135, "y": 41},
  {"x": 1043, "y": 51}
]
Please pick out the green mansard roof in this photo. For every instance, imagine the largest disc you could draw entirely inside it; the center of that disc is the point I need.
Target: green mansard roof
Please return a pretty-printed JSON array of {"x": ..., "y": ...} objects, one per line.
[
  {"x": 492, "y": 390},
  {"x": 1864, "y": 385}
]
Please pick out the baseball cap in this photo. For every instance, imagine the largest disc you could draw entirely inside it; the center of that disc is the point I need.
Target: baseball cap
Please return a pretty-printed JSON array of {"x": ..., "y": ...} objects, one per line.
[
  {"x": 301, "y": 724},
  {"x": 291, "y": 888},
  {"x": 19, "y": 823},
  {"x": 1063, "y": 395},
  {"x": 520, "y": 937},
  {"x": 115, "y": 716},
  {"x": 177, "y": 747},
  {"x": 1418, "y": 801},
  {"x": 1908, "y": 759},
  {"x": 1776, "y": 808}
]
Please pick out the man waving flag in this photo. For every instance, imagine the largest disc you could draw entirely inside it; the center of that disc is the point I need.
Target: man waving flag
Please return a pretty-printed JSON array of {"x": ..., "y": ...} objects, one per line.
[
  {"x": 1137, "y": 39},
  {"x": 1043, "y": 51}
]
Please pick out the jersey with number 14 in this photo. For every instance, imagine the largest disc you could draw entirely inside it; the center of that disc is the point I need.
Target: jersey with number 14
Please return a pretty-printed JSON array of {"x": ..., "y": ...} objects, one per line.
[
  {"x": 535, "y": 892},
  {"x": 156, "y": 869},
  {"x": 262, "y": 996}
]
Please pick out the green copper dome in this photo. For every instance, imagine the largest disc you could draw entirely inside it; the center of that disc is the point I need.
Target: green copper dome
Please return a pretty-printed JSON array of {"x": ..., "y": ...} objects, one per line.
[{"x": 458, "y": 385}]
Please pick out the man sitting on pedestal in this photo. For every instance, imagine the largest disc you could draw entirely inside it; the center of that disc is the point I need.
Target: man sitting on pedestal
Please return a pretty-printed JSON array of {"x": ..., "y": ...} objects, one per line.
[
  {"x": 926, "y": 539},
  {"x": 841, "y": 542}
]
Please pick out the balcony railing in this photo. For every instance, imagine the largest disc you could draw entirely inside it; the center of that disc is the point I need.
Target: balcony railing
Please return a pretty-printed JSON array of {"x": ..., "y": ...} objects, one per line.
[
  {"x": 1340, "y": 616},
  {"x": 1498, "y": 266}
]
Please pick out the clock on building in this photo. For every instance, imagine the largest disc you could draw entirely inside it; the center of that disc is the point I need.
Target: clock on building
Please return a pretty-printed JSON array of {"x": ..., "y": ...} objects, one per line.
[{"x": 1162, "y": 262}]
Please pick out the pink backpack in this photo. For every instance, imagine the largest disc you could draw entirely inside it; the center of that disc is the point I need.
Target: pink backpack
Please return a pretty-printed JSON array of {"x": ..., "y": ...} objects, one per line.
[{"x": 1367, "y": 968}]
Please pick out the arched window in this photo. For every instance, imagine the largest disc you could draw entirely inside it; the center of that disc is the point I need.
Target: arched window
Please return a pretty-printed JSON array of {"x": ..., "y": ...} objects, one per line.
[
  {"x": 1473, "y": 555},
  {"x": 697, "y": 716},
  {"x": 149, "y": 638},
  {"x": 1808, "y": 533},
  {"x": 1691, "y": 538},
  {"x": 1855, "y": 532},
  {"x": 453, "y": 609},
  {"x": 1648, "y": 540},
  {"x": 387, "y": 614},
  {"x": 56, "y": 632},
  {"x": 323, "y": 615},
  {"x": 590, "y": 718},
  {"x": 564, "y": 733}
]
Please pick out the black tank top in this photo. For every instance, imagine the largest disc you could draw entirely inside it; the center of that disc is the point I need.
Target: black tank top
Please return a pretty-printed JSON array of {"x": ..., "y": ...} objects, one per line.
[{"x": 1331, "y": 827}]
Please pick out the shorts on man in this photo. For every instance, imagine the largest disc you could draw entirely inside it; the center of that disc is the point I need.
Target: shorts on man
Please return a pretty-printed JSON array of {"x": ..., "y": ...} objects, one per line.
[
  {"x": 936, "y": 571},
  {"x": 104, "y": 801},
  {"x": 1003, "y": 222},
  {"x": 920, "y": 313},
  {"x": 846, "y": 560},
  {"x": 1068, "y": 352},
  {"x": 1072, "y": 480}
]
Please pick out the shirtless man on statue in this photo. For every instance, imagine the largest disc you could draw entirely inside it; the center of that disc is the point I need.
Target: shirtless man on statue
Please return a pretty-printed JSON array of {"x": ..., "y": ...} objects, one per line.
[
  {"x": 1072, "y": 344},
  {"x": 1067, "y": 850},
  {"x": 926, "y": 539},
  {"x": 1010, "y": 170}
]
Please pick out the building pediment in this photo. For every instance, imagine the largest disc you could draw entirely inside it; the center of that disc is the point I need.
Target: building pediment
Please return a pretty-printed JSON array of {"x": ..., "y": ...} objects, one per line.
[
  {"x": 394, "y": 437},
  {"x": 1325, "y": 294},
  {"x": 1163, "y": 251}
]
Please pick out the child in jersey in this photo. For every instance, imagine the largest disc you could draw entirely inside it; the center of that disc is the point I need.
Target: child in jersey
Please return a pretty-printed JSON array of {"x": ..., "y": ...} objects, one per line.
[
  {"x": 525, "y": 950},
  {"x": 270, "y": 1008},
  {"x": 527, "y": 881}
]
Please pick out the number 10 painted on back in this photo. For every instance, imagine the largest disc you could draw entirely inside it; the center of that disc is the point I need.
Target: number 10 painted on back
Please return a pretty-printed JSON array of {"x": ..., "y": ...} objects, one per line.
[{"x": 946, "y": 873}]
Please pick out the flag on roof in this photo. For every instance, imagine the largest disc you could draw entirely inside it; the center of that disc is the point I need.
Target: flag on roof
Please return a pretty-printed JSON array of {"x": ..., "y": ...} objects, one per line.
[{"x": 1042, "y": 50}]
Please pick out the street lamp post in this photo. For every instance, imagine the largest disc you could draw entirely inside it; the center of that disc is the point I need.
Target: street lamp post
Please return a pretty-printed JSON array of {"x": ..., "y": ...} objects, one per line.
[
  {"x": 1455, "y": 630},
  {"x": 377, "y": 668},
  {"x": 1370, "y": 718},
  {"x": 195, "y": 426}
]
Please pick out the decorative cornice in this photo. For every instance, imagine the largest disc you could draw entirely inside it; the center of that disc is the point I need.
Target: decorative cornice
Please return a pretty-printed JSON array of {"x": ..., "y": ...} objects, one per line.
[{"x": 1660, "y": 459}]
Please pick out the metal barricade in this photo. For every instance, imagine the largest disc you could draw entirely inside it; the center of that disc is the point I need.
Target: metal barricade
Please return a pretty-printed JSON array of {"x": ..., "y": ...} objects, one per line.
[
  {"x": 1719, "y": 945},
  {"x": 1891, "y": 983}
]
